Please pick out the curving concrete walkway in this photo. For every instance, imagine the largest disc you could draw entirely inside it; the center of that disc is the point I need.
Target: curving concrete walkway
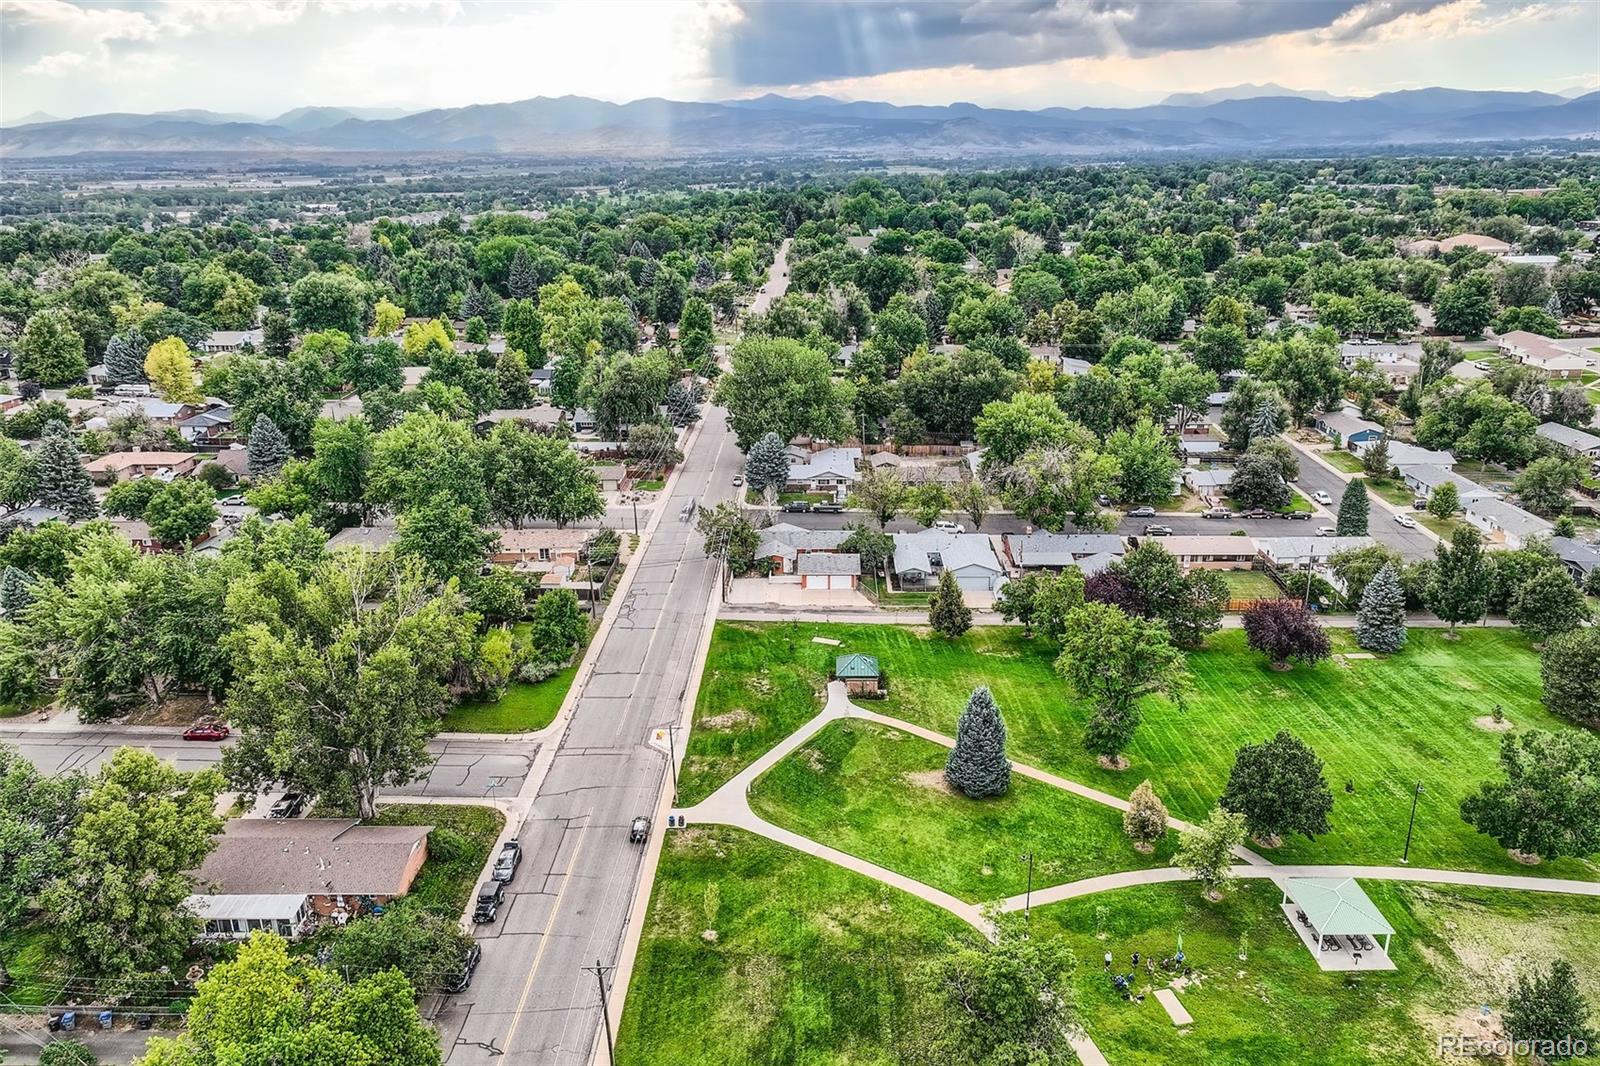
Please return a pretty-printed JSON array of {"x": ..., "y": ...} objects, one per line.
[{"x": 730, "y": 805}]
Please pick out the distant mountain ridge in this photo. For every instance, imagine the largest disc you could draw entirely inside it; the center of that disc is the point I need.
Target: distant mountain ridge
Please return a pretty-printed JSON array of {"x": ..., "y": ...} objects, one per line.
[{"x": 1243, "y": 118}]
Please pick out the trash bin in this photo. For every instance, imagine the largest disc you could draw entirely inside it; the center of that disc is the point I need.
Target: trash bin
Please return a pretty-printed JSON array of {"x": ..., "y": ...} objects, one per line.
[
  {"x": 69, "y": 1021},
  {"x": 143, "y": 1021},
  {"x": 104, "y": 1018},
  {"x": 53, "y": 1023}
]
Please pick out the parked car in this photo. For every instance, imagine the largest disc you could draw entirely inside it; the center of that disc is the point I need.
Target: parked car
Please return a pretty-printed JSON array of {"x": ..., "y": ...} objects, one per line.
[
  {"x": 1326, "y": 531},
  {"x": 469, "y": 966},
  {"x": 1103, "y": 500},
  {"x": 1218, "y": 512},
  {"x": 797, "y": 505},
  {"x": 1256, "y": 512},
  {"x": 505, "y": 864},
  {"x": 1142, "y": 512},
  {"x": 949, "y": 526},
  {"x": 1419, "y": 504},
  {"x": 639, "y": 830},
  {"x": 1302, "y": 516},
  {"x": 289, "y": 805},
  {"x": 1322, "y": 498},
  {"x": 738, "y": 479},
  {"x": 1482, "y": 365},
  {"x": 206, "y": 731},
  {"x": 1158, "y": 531},
  {"x": 1406, "y": 520},
  {"x": 490, "y": 895},
  {"x": 829, "y": 508}
]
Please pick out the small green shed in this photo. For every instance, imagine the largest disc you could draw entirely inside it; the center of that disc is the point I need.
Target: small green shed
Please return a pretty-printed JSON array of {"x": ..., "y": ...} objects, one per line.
[{"x": 860, "y": 673}]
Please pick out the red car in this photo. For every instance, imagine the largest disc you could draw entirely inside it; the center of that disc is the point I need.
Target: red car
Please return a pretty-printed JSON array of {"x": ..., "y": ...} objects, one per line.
[{"x": 206, "y": 731}]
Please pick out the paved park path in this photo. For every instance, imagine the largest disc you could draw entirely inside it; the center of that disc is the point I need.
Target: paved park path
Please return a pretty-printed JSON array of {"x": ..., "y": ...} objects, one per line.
[{"x": 730, "y": 805}]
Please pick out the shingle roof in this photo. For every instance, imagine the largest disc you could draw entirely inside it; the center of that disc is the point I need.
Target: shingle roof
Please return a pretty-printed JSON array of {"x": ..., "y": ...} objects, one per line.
[
  {"x": 1568, "y": 437},
  {"x": 821, "y": 563},
  {"x": 317, "y": 856},
  {"x": 1060, "y": 549},
  {"x": 1509, "y": 517},
  {"x": 956, "y": 551}
]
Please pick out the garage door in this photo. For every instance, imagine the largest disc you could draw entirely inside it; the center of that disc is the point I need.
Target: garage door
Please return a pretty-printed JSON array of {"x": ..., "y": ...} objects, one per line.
[{"x": 974, "y": 582}]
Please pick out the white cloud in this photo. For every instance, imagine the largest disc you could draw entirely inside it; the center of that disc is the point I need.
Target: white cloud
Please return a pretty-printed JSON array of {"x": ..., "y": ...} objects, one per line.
[{"x": 56, "y": 65}]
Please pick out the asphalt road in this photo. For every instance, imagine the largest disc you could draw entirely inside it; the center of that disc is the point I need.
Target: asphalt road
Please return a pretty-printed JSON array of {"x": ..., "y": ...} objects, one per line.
[
  {"x": 531, "y": 1001},
  {"x": 1410, "y": 543},
  {"x": 777, "y": 280},
  {"x": 472, "y": 768}
]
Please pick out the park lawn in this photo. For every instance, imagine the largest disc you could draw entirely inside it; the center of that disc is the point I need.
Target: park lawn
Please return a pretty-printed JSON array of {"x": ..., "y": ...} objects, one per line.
[
  {"x": 1251, "y": 585},
  {"x": 1454, "y": 948},
  {"x": 754, "y": 953},
  {"x": 879, "y": 794},
  {"x": 451, "y": 871},
  {"x": 1381, "y": 724},
  {"x": 1340, "y": 459}
]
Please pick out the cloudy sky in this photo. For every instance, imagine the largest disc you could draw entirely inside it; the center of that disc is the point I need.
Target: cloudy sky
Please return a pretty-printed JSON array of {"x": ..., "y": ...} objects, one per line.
[{"x": 262, "y": 57}]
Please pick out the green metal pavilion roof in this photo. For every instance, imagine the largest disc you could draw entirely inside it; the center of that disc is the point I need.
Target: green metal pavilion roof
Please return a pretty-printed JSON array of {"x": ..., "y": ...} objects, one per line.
[
  {"x": 1336, "y": 906},
  {"x": 857, "y": 666}
]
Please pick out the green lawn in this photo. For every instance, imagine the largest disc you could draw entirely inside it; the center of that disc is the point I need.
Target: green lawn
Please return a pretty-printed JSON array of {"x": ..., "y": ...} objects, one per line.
[
  {"x": 457, "y": 849},
  {"x": 522, "y": 709},
  {"x": 1251, "y": 585},
  {"x": 1349, "y": 462},
  {"x": 755, "y": 954},
  {"x": 879, "y": 794},
  {"x": 1394, "y": 491},
  {"x": 26, "y": 957},
  {"x": 880, "y": 590},
  {"x": 1380, "y": 724},
  {"x": 1444, "y": 529},
  {"x": 653, "y": 484},
  {"x": 1454, "y": 948}
]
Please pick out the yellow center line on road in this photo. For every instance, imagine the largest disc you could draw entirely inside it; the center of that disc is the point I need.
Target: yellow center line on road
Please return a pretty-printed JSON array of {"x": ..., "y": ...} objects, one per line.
[{"x": 544, "y": 941}]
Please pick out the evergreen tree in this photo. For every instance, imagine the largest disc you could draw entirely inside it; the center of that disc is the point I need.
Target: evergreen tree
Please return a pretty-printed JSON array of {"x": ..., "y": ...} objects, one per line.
[
  {"x": 520, "y": 281},
  {"x": 767, "y": 466},
  {"x": 268, "y": 448},
  {"x": 124, "y": 358},
  {"x": 475, "y": 304},
  {"x": 1381, "y": 619},
  {"x": 1459, "y": 591},
  {"x": 948, "y": 612},
  {"x": 277, "y": 335},
  {"x": 704, "y": 274},
  {"x": 63, "y": 482},
  {"x": 683, "y": 403},
  {"x": 1354, "y": 509},
  {"x": 1376, "y": 460},
  {"x": 1145, "y": 820},
  {"x": 1549, "y": 1007},
  {"x": 1052, "y": 238},
  {"x": 977, "y": 766},
  {"x": 14, "y": 591},
  {"x": 1268, "y": 418}
]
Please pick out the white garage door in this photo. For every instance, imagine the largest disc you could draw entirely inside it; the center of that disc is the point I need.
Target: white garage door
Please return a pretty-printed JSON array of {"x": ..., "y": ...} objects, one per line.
[{"x": 975, "y": 581}]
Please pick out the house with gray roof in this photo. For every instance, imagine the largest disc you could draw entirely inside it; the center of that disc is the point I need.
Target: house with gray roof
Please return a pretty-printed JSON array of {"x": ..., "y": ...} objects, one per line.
[
  {"x": 1402, "y": 455},
  {"x": 1054, "y": 551},
  {"x": 1579, "y": 557},
  {"x": 786, "y": 544},
  {"x": 1510, "y": 523},
  {"x": 829, "y": 570},
  {"x": 1423, "y": 480},
  {"x": 919, "y": 559},
  {"x": 1348, "y": 427},
  {"x": 1569, "y": 441},
  {"x": 830, "y": 470}
]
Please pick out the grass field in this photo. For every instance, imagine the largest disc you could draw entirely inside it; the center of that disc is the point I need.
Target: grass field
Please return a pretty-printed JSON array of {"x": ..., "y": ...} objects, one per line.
[
  {"x": 878, "y": 793},
  {"x": 1455, "y": 949},
  {"x": 1444, "y": 529},
  {"x": 753, "y": 953},
  {"x": 1379, "y": 724},
  {"x": 1349, "y": 462},
  {"x": 451, "y": 871}
]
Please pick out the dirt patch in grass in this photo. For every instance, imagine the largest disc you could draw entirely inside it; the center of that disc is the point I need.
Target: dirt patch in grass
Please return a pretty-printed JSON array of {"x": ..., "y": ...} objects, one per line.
[
  {"x": 932, "y": 780},
  {"x": 1487, "y": 722},
  {"x": 733, "y": 719},
  {"x": 813, "y": 758},
  {"x": 179, "y": 710}
]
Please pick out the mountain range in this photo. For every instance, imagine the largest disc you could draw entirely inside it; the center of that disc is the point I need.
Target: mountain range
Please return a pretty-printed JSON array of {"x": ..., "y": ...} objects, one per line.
[{"x": 1240, "y": 119}]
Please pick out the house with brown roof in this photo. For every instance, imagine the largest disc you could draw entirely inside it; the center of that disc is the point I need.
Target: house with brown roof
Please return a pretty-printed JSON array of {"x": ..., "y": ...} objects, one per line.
[
  {"x": 1477, "y": 242},
  {"x": 277, "y": 873},
  {"x": 126, "y": 466},
  {"x": 1542, "y": 353},
  {"x": 538, "y": 549}
]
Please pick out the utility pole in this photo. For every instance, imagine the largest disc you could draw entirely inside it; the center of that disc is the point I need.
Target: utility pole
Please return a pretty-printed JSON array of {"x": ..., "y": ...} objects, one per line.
[
  {"x": 1416, "y": 793},
  {"x": 605, "y": 1010},
  {"x": 1027, "y": 900},
  {"x": 672, "y": 757}
]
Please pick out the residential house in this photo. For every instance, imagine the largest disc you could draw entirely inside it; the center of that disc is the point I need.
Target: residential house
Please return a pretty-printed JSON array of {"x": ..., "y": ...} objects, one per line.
[
  {"x": 920, "y": 557},
  {"x": 542, "y": 418},
  {"x": 1347, "y": 427},
  {"x": 235, "y": 459},
  {"x": 1423, "y": 480},
  {"x": 542, "y": 378},
  {"x": 211, "y": 426},
  {"x": 1542, "y": 353},
  {"x": 367, "y": 538},
  {"x": 1298, "y": 553},
  {"x": 125, "y": 466},
  {"x": 1398, "y": 363},
  {"x": 341, "y": 410},
  {"x": 230, "y": 340},
  {"x": 829, "y": 570},
  {"x": 830, "y": 470},
  {"x": 411, "y": 377},
  {"x": 1201, "y": 448},
  {"x": 1569, "y": 441},
  {"x": 1206, "y": 482},
  {"x": 537, "y": 549},
  {"x": 332, "y": 867},
  {"x": 613, "y": 476},
  {"x": 1476, "y": 241},
  {"x": 1510, "y": 523},
  {"x": 1402, "y": 455},
  {"x": 785, "y": 544},
  {"x": 861, "y": 243},
  {"x": 137, "y": 533},
  {"x": 161, "y": 412},
  {"x": 1212, "y": 552},
  {"x": 1580, "y": 558},
  {"x": 1055, "y": 551},
  {"x": 583, "y": 420}
]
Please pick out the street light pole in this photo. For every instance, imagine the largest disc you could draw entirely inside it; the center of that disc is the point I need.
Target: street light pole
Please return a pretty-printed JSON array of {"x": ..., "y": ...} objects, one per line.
[
  {"x": 605, "y": 1011},
  {"x": 1027, "y": 900},
  {"x": 636, "y": 514},
  {"x": 1416, "y": 793}
]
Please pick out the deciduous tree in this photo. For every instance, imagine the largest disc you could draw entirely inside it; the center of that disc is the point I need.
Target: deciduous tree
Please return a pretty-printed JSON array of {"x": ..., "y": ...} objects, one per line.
[
  {"x": 1112, "y": 660},
  {"x": 1206, "y": 851},
  {"x": 1145, "y": 820},
  {"x": 1279, "y": 788},
  {"x": 1544, "y": 807},
  {"x": 1459, "y": 591},
  {"x": 1283, "y": 630},
  {"x": 1569, "y": 668},
  {"x": 1548, "y": 604}
]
